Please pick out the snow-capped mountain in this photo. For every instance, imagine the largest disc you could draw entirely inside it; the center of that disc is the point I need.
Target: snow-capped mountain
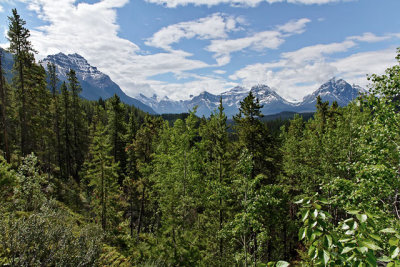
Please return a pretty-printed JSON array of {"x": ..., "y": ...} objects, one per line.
[
  {"x": 333, "y": 90},
  {"x": 94, "y": 83}
]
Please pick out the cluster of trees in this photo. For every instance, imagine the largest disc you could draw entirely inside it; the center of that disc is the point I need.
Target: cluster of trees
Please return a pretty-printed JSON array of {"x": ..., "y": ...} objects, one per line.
[{"x": 102, "y": 183}]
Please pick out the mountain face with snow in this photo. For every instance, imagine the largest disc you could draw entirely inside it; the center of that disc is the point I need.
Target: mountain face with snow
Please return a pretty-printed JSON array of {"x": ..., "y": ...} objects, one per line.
[
  {"x": 94, "y": 83},
  {"x": 333, "y": 90}
]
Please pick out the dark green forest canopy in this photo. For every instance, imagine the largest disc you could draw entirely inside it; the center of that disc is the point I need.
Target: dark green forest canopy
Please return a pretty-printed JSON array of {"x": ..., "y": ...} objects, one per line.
[{"x": 101, "y": 183}]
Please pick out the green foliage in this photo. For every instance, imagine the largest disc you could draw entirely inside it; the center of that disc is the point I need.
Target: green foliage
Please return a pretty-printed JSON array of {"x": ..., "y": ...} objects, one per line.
[
  {"x": 194, "y": 193},
  {"x": 29, "y": 192},
  {"x": 7, "y": 177},
  {"x": 47, "y": 237},
  {"x": 102, "y": 174},
  {"x": 355, "y": 241}
]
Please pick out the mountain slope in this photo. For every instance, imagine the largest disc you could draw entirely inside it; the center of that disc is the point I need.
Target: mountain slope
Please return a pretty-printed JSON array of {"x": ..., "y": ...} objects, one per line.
[
  {"x": 333, "y": 90},
  {"x": 95, "y": 84}
]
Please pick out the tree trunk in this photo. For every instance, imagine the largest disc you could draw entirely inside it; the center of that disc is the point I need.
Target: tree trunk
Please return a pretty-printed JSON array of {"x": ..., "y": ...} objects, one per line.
[
  {"x": 24, "y": 128},
  {"x": 3, "y": 110},
  {"x": 103, "y": 200},
  {"x": 131, "y": 207},
  {"x": 141, "y": 211}
]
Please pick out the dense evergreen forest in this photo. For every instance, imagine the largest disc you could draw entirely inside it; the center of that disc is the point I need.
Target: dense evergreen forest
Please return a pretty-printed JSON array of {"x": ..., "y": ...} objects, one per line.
[{"x": 86, "y": 183}]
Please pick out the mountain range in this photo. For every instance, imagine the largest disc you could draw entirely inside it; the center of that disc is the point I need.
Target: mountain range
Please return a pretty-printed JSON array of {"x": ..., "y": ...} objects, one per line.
[
  {"x": 333, "y": 90},
  {"x": 96, "y": 84}
]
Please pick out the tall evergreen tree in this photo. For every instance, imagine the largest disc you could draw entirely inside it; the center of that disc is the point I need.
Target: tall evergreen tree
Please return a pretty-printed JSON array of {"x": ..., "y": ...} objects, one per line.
[
  {"x": 52, "y": 83},
  {"x": 4, "y": 104},
  {"x": 78, "y": 124},
  {"x": 253, "y": 136},
  {"x": 101, "y": 171},
  {"x": 21, "y": 48},
  {"x": 66, "y": 127},
  {"x": 215, "y": 143},
  {"x": 116, "y": 129},
  {"x": 144, "y": 151}
]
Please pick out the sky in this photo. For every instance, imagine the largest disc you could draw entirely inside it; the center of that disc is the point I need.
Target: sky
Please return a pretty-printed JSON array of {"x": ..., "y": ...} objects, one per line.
[{"x": 178, "y": 48}]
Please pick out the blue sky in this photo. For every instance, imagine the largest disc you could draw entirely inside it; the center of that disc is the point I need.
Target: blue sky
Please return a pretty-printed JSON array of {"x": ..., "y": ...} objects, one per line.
[{"x": 178, "y": 48}]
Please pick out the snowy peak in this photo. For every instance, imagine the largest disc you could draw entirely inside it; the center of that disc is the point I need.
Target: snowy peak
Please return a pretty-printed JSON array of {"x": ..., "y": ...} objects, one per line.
[
  {"x": 94, "y": 83},
  {"x": 335, "y": 90},
  {"x": 236, "y": 90},
  {"x": 265, "y": 94},
  {"x": 77, "y": 63},
  {"x": 332, "y": 90}
]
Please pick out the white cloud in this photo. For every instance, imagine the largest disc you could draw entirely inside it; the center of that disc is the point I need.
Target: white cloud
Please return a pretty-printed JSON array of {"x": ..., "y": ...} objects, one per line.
[
  {"x": 355, "y": 67},
  {"x": 316, "y": 52},
  {"x": 220, "y": 72},
  {"x": 215, "y": 26},
  {"x": 258, "y": 41},
  {"x": 248, "y": 3},
  {"x": 302, "y": 71},
  {"x": 294, "y": 26},
  {"x": 370, "y": 37},
  {"x": 91, "y": 30}
]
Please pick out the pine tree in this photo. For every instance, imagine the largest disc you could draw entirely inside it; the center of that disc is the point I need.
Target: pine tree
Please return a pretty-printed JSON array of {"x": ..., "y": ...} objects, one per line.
[
  {"x": 52, "y": 83},
  {"x": 253, "y": 136},
  {"x": 21, "y": 47},
  {"x": 215, "y": 143},
  {"x": 102, "y": 174},
  {"x": 39, "y": 116},
  {"x": 132, "y": 173},
  {"x": 78, "y": 124},
  {"x": 144, "y": 149},
  {"x": 4, "y": 104},
  {"x": 116, "y": 129},
  {"x": 66, "y": 133}
]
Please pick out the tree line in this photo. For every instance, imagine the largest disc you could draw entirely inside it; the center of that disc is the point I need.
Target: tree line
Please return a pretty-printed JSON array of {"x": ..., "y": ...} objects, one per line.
[{"x": 88, "y": 183}]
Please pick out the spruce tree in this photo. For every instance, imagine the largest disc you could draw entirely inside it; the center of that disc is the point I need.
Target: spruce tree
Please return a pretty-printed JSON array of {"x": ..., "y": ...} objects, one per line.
[
  {"x": 66, "y": 133},
  {"x": 116, "y": 129},
  {"x": 4, "y": 104},
  {"x": 52, "y": 83},
  {"x": 78, "y": 124},
  {"x": 253, "y": 136},
  {"x": 21, "y": 48},
  {"x": 215, "y": 143},
  {"x": 102, "y": 173}
]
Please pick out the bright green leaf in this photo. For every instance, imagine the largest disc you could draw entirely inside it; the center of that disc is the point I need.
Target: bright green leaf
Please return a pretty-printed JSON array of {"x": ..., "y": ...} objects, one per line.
[
  {"x": 394, "y": 252},
  {"x": 369, "y": 244},
  {"x": 388, "y": 231},
  {"x": 346, "y": 250},
  {"x": 304, "y": 215},
  {"x": 302, "y": 233},
  {"x": 393, "y": 241},
  {"x": 362, "y": 217},
  {"x": 282, "y": 264},
  {"x": 385, "y": 259}
]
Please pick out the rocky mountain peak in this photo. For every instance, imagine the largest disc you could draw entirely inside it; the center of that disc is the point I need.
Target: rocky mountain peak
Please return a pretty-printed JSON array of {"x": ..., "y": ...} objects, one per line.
[{"x": 95, "y": 84}]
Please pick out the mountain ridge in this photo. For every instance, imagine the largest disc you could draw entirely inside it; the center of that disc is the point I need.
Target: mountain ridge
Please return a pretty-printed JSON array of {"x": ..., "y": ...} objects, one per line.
[
  {"x": 94, "y": 83},
  {"x": 333, "y": 90}
]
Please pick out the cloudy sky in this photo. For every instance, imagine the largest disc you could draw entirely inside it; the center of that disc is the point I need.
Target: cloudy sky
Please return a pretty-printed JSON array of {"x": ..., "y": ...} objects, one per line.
[{"x": 178, "y": 48}]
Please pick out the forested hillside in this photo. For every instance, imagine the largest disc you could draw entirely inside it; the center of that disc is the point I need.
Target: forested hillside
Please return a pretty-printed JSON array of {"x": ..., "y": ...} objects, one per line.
[{"x": 100, "y": 183}]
